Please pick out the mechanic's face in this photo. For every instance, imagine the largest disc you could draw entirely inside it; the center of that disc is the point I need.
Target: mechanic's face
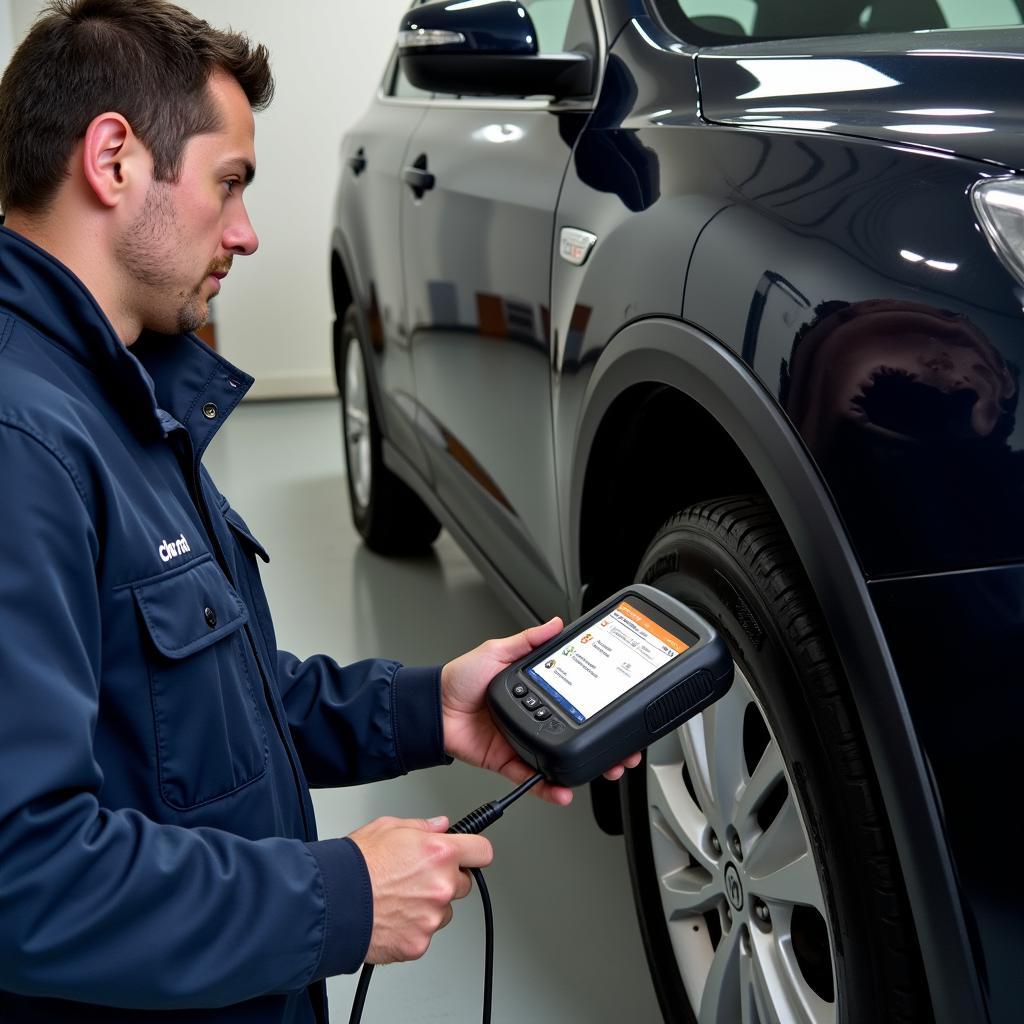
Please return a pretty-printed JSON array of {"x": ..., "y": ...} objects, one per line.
[{"x": 183, "y": 240}]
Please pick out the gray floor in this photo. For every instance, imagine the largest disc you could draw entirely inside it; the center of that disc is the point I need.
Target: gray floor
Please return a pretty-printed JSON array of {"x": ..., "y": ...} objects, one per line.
[{"x": 567, "y": 947}]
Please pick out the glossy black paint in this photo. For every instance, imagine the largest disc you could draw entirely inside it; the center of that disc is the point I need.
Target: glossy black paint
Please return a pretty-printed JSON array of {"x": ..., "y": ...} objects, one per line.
[
  {"x": 369, "y": 251},
  {"x": 956, "y": 640},
  {"x": 499, "y": 27},
  {"x": 559, "y": 75},
  {"x": 864, "y": 87},
  {"x": 477, "y": 322},
  {"x": 749, "y": 320},
  {"x": 497, "y": 54}
]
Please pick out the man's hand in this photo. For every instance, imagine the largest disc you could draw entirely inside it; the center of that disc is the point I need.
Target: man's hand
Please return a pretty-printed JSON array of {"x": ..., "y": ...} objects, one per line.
[
  {"x": 469, "y": 731},
  {"x": 415, "y": 874}
]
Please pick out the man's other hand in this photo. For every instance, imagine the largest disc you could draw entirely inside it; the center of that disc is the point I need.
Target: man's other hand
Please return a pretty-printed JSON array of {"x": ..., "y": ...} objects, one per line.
[
  {"x": 415, "y": 873},
  {"x": 469, "y": 731}
]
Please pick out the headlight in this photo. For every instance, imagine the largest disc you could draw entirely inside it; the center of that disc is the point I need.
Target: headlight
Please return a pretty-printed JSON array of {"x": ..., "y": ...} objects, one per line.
[{"x": 999, "y": 207}]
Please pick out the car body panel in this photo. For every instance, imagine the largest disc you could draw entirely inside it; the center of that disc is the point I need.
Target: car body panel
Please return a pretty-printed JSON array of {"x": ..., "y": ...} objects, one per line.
[
  {"x": 369, "y": 205},
  {"x": 885, "y": 331},
  {"x": 478, "y": 349},
  {"x": 956, "y": 640},
  {"x": 876, "y": 87}
]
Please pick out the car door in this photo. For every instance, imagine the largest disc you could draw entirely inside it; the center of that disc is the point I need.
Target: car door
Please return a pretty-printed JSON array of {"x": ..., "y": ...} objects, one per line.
[
  {"x": 370, "y": 205},
  {"x": 477, "y": 256}
]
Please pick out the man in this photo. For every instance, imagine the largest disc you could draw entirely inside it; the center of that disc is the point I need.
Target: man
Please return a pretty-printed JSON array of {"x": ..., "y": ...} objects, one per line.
[{"x": 158, "y": 858}]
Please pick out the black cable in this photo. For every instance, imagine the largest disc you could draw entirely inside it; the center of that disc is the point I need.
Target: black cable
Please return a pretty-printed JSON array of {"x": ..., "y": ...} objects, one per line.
[
  {"x": 357, "y": 1003},
  {"x": 471, "y": 825},
  {"x": 485, "y": 897}
]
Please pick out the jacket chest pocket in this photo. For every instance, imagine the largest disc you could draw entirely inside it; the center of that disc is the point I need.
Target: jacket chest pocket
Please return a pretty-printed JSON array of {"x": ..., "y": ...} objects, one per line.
[{"x": 210, "y": 738}]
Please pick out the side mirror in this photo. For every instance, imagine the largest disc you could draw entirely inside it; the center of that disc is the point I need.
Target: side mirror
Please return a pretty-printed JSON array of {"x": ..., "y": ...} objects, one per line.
[{"x": 485, "y": 48}]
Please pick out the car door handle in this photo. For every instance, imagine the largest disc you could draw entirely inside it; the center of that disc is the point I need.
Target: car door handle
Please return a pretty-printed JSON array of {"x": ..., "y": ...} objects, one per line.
[
  {"x": 418, "y": 178},
  {"x": 358, "y": 162}
]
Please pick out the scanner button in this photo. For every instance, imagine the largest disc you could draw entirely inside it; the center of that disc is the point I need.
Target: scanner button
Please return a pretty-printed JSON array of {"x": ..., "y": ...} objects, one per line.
[
  {"x": 519, "y": 690},
  {"x": 531, "y": 702},
  {"x": 542, "y": 714}
]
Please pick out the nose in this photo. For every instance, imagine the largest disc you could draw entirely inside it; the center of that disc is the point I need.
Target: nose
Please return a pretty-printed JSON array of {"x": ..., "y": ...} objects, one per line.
[{"x": 240, "y": 236}]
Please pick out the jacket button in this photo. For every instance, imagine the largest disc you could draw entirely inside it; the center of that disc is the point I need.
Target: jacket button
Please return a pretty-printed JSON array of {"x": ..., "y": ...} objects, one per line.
[
  {"x": 211, "y": 617},
  {"x": 210, "y": 411}
]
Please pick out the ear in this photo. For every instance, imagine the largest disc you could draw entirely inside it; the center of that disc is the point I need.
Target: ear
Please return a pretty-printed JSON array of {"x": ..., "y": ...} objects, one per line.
[{"x": 112, "y": 158}]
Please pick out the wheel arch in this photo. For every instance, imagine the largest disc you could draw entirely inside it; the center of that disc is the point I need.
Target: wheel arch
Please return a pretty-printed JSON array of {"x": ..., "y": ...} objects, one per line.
[
  {"x": 347, "y": 289},
  {"x": 654, "y": 370}
]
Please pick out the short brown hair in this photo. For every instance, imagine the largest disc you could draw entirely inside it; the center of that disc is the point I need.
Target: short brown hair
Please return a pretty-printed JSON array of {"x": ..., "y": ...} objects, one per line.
[{"x": 148, "y": 60}]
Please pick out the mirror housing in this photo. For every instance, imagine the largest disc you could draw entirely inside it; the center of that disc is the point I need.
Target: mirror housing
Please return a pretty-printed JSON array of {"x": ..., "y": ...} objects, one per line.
[{"x": 485, "y": 48}]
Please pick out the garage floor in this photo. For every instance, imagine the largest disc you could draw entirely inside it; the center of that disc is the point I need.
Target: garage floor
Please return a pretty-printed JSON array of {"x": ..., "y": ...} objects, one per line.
[{"x": 567, "y": 944}]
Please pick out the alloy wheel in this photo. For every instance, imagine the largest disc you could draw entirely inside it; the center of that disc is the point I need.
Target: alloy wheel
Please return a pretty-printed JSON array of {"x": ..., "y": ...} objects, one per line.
[
  {"x": 736, "y": 874},
  {"x": 357, "y": 424}
]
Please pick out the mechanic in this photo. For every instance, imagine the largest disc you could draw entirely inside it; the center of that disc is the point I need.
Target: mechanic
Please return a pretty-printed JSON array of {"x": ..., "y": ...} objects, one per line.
[{"x": 158, "y": 854}]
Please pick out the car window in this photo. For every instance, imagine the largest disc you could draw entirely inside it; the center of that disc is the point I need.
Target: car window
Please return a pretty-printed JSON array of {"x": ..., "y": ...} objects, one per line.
[
  {"x": 551, "y": 20},
  {"x": 711, "y": 21}
]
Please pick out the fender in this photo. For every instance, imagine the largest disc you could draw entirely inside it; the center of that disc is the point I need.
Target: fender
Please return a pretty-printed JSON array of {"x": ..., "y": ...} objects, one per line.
[{"x": 676, "y": 353}]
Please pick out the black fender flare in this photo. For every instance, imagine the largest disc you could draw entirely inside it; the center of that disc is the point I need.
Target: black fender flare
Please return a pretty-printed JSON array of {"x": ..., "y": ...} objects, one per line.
[{"x": 675, "y": 353}]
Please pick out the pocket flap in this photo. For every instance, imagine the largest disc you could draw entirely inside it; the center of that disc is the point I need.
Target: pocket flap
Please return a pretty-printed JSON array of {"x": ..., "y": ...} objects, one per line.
[
  {"x": 189, "y": 608},
  {"x": 237, "y": 523}
]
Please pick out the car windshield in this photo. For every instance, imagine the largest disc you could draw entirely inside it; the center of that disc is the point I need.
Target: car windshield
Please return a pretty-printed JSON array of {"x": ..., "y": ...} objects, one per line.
[{"x": 711, "y": 21}]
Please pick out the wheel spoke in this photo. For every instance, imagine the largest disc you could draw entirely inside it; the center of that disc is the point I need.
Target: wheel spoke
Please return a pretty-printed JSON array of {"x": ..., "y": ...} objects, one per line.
[
  {"x": 779, "y": 990},
  {"x": 779, "y": 865},
  {"x": 357, "y": 420},
  {"x": 675, "y": 811},
  {"x": 688, "y": 891},
  {"x": 711, "y": 743},
  {"x": 720, "y": 1000},
  {"x": 754, "y": 1007},
  {"x": 767, "y": 775},
  {"x": 762, "y": 994},
  {"x": 724, "y": 732}
]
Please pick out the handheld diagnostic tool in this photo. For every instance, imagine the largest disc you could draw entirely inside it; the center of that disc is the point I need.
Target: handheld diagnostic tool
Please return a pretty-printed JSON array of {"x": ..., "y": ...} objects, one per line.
[{"x": 611, "y": 683}]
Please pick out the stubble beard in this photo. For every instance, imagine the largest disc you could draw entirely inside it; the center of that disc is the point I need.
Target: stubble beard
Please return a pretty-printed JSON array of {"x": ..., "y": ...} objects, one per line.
[{"x": 147, "y": 252}]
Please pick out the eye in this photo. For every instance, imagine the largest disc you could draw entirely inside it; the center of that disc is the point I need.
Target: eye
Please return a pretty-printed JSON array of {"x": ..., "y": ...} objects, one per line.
[{"x": 230, "y": 184}]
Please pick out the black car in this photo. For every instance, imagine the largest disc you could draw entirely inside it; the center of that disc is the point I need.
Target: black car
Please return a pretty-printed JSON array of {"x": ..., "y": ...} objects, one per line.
[{"x": 727, "y": 296}]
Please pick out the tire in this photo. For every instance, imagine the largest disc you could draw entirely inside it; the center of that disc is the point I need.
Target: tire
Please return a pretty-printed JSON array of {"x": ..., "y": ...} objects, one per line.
[
  {"x": 388, "y": 515},
  {"x": 764, "y": 873}
]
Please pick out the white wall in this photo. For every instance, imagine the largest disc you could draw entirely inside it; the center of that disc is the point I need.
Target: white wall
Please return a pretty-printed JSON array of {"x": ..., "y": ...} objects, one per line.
[{"x": 274, "y": 315}]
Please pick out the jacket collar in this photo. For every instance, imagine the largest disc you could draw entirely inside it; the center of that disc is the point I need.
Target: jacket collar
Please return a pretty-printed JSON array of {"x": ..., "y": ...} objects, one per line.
[{"x": 161, "y": 382}]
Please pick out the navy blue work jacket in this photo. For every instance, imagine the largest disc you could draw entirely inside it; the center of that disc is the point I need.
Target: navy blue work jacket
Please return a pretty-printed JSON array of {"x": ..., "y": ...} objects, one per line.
[{"x": 158, "y": 855}]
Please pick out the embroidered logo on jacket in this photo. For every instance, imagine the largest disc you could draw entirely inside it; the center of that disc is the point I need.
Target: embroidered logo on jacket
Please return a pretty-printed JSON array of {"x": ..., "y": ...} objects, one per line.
[{"x": 171, "y": 549}]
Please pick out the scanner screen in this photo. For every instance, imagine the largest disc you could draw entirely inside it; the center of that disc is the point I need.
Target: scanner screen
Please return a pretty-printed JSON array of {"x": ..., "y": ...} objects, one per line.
[{"x": 612, "y": 655}]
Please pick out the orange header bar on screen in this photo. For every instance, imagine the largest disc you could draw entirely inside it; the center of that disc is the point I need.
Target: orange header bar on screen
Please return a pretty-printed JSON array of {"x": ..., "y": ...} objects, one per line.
[{"x": 677, "y": 645}]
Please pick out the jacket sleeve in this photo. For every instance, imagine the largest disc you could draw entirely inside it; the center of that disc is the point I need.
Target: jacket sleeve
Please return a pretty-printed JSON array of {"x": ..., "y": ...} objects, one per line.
[
  {"x": 369, "y": 721},
  {"x": 107, "y": 906}
]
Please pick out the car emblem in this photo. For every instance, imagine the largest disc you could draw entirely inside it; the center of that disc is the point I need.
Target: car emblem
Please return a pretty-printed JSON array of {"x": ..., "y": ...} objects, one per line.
[
  {"x": 576, "y": 245},
  {"x": 733, "y": 886}
]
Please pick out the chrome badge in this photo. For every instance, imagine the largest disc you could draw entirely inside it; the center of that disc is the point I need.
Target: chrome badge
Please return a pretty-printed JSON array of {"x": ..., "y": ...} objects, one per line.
[{"x": 576, "y": 245}]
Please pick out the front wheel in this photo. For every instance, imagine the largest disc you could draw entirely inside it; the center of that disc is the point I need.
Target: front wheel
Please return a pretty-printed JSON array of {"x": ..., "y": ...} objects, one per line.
[
  {"x": 389, "y": 516},
  {"x": 764, "y": 873}
]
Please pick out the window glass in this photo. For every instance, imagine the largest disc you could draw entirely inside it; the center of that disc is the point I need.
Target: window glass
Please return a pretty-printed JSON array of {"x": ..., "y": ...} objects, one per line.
[
  {"x": 551, "y": 20},
  {"x": 722, "y": 21}
]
